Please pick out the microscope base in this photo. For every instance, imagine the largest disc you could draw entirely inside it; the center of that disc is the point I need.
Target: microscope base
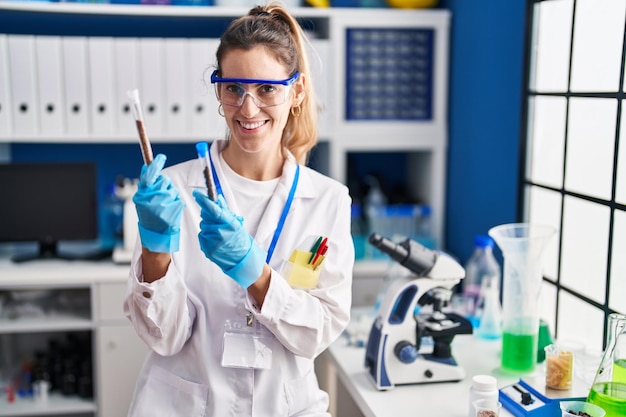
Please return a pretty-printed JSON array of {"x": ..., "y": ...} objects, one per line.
[{"x": 422, "y": 371}]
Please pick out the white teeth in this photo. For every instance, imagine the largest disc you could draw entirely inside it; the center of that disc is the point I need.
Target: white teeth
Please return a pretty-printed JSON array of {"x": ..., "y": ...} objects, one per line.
[{"x": 251, "y": 125}]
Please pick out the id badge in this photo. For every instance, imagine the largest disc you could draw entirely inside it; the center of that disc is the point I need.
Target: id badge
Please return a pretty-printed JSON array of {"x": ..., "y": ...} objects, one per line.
[{"x": 247, "y": 344}]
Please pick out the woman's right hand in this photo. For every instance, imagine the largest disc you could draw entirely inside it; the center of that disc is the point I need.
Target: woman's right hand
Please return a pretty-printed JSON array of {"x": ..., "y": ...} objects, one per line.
[
  {"x": 159, "y": 208},
  {"x": 225, "y": 241}
]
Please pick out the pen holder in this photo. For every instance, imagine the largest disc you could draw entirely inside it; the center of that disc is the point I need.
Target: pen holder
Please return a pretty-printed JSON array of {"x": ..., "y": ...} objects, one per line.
[{"x": 299, "y": 272}]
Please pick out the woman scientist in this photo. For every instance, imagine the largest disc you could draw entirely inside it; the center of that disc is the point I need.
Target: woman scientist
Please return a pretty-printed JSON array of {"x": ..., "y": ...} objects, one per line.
[{"x": 236, "y": 297}]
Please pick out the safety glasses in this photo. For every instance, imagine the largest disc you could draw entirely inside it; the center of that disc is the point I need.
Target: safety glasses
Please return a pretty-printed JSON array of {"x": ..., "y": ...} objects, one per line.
[{"x": 265, "y": 93}]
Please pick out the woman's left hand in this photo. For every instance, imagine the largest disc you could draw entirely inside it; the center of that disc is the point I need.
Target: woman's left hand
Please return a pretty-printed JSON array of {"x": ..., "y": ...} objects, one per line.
[{"x": 225, "y": 241}]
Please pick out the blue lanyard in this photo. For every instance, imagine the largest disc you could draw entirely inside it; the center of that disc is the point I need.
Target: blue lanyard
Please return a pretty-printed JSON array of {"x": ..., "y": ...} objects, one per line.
[{"x": 283, "y": 216}]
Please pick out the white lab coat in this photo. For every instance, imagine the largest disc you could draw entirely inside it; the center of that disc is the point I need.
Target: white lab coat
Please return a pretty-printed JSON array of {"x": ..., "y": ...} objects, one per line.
[{"x": 181, "y": 317}]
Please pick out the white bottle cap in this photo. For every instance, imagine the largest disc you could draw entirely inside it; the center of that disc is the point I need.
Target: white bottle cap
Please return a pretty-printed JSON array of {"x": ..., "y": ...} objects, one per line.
[{"x": 484, "y": 383}]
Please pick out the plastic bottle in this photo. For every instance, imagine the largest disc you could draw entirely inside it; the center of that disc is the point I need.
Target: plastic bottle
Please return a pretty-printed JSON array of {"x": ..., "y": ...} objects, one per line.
[
  {"x": 375, "y": 200},
  {"x": 375, "y": 212},
  {"x": 394, "y": 271},
  {"x": 357, "y": 229},
  {"x": 481, "y": 264},
  {"x": 425, "y": 234},
  {"x": 483, "y": 387}
]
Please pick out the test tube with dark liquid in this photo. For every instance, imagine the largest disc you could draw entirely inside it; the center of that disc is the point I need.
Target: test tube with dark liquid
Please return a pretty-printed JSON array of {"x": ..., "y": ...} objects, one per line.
[
  {"x": 202, "y": 148},
  {"x": 135, "y": 105}
]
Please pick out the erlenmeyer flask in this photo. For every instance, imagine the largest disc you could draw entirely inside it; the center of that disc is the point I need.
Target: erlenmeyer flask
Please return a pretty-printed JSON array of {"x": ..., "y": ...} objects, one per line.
[
  {"x": 522, "y": 246},
  {"x": 490, "y": 325},
  {"x": 609, "y": 386}
]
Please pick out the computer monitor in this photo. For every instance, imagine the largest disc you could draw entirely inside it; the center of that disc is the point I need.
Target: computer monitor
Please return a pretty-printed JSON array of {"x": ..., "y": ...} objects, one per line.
[{"x": 47, "y": 203}]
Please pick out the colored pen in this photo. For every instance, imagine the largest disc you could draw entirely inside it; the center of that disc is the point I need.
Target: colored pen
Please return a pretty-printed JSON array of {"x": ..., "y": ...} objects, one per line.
[
  {"x": 321, "y": 254},
  {"x": 315, "y": 247},
  {"x": 202, "y": 148},
  {"x": 320, "y": 250}
]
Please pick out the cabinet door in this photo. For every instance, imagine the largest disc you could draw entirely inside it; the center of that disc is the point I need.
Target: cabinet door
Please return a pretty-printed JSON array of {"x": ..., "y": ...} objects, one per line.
[
  {"x": 120, "y": 356},
  {"x": 120, "y": 352}
]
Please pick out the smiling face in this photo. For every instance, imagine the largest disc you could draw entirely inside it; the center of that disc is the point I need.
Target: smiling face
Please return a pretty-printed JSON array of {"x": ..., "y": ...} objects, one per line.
[{"x": 257, "y": 130}]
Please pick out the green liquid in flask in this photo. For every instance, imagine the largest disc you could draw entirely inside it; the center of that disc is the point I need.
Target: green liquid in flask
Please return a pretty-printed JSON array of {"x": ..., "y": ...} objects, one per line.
[
  {"x": 610, "y": 396},
  {"x": 519, "y": 352},
  {"x": 619, "y": 371}
]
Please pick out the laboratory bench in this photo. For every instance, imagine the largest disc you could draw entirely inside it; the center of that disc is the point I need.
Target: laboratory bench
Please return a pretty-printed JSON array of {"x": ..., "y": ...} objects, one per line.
[
  {"x": 63, "y": 302},
  {"x": 117, "y": 353},
  {"x": 342, "y": 373},
  {"x": 97, "y": 289}
]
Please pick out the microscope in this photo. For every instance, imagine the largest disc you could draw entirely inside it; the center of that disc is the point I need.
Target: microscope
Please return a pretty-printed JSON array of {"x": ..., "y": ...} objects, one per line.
[{"x": 393, "y": 354}]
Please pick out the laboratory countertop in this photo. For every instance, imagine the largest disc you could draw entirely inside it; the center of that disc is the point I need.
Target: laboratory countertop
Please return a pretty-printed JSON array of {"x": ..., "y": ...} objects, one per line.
[
  {"x": 447, "y": 399},
  {"x": 59, "y": 272}
]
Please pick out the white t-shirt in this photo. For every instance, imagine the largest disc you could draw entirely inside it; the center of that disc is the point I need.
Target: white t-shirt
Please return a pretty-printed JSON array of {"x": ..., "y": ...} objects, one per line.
[{"x": 252, "y": 196}]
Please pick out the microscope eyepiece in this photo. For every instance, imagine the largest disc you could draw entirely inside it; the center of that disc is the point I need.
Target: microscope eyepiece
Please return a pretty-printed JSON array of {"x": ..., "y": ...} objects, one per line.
[
  {"x": 397, "y": 252},
  {"x": 375, "y": 239},
  {"x": 408, "y": 253}
]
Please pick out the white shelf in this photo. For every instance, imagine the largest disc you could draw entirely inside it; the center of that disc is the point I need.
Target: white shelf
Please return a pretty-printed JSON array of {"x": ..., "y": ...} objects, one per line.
[
  {"x": 58, "y": 273},
  {"x": 117, "y": 352},
  {"x": 371, "y": 268},
  {"x": 51, "y": 323},
  {"x": 423, "y": 16},
  {"x": 57, "y": 404}
]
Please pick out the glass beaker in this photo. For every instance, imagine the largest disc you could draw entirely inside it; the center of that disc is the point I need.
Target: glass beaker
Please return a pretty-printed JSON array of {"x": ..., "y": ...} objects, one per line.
[
  {"x": 609, "y": 385},
  {"x": 522, "y": 246}
]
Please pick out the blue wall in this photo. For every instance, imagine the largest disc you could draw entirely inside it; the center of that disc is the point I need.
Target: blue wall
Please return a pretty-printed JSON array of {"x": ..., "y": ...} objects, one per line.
[{"x": 486, "y": 72}]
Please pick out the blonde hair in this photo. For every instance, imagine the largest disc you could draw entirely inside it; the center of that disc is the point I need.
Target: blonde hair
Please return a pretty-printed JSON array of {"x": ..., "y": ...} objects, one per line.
[{"x": 274, "y": 28}]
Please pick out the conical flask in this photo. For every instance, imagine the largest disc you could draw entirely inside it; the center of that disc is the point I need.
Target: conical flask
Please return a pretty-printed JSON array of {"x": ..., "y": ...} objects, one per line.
[
  {"x": 522, "y": 246},
  {"x": 490, "y": 324},
  {"x": 609, "y": 386}
]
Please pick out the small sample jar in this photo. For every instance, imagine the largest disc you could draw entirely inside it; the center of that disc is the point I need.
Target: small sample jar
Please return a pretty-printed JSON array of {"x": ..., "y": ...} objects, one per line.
[
  {"x": 559, "y": 367},
  {"x": 484, "y": 387},
  {"x": 487, "y": 408}
]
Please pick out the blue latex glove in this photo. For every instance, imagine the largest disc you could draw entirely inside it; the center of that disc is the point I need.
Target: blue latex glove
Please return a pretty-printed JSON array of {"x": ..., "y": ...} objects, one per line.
[
  {"x": 159, "y": 208},
  {"x": 225, "y": 241}
]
